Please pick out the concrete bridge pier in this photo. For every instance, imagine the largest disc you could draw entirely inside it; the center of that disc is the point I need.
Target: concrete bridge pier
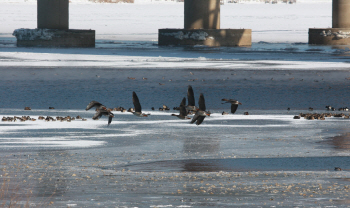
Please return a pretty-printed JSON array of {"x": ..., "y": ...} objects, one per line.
[
  {"x": 339, "y": 34},
  {"x": 202, "y": 14},
  {"x": 53, "y": 14},
  {"x": 202, "y": 27},
  {"x": 53, "y": 28}
]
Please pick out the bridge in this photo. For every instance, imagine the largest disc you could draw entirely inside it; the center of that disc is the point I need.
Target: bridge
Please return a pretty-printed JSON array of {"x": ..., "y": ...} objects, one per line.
[{"x": 201, "y": 27}]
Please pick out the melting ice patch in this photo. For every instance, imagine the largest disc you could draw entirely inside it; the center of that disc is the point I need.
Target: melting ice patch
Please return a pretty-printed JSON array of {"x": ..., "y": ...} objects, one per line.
[
  {"x": 338, "y": 35},
  {"x": 200, "y": 35},
  {"x": 30, "y": 34}
]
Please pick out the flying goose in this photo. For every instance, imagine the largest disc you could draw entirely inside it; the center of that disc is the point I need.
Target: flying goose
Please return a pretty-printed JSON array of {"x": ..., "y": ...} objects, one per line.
[
  {"x": 201, "y": 113},
  {"x": 234, "y": 104},
  {"x": 137, "y": 105}
]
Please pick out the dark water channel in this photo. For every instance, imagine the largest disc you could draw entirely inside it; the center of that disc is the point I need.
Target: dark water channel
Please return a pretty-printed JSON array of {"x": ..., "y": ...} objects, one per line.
[
  {"x": 74, "y": 88},
  {"x": 244, "y": 164}
]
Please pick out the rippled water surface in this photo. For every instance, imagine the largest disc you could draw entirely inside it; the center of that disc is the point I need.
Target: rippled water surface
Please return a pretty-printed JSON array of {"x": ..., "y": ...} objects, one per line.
[{"x": 40, "y": 88}]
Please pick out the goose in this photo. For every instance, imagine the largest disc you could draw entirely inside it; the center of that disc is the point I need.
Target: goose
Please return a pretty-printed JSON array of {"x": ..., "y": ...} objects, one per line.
[
  {"x": 105, "y": 112},
  {"x": 201, "y": 113},
  {"x": 234, "y": 104},
  {"x": 93, "y": 104},
  {"x": 191, "y": 102},
  {"x": 137, "y": 105},
  {"x": 183, "y": 111},
  {"x": 100, "y": 110}
]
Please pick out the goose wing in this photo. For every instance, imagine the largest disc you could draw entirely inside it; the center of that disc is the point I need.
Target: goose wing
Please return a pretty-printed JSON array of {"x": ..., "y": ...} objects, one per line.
[
  {"x": 183, "y": 111},
  {"x": 201, "y": 102},
  {"x": 233, "y": 108},
  {"x": 97, "y": 115},
  {"x": 136, "y": 102},
  {"x": 200, "y": 119},
  {"x": 110, "y": 120},
  {"x": 190, "y": 96},
  {"x": 93, "y": 104},
  {"x": 183, "y": 102},
  {"x": 194, "y": 119}
]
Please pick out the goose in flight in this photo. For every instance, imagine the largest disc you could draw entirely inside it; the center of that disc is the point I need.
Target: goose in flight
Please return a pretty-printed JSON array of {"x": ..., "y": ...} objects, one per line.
[
  {"x": 100, "y": 110},
  {"x": 183, "y": 111},
  {"x": 234, "y": 104},
  {"x": 201, "y": 113},
  {"x": 94, "y": 104},
  {"x": 137, "y": 105},
  {"x": 191, "y": 102}
]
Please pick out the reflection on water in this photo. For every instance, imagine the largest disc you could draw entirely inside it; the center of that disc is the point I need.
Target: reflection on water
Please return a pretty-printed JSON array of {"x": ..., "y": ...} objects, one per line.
[
  {"x": 202, "y": 145},
  {"x": 245, "y": 164}
]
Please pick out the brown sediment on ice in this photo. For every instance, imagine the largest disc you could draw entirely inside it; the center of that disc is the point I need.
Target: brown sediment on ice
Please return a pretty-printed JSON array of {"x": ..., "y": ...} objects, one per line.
[{"x": 341, "y": 142}]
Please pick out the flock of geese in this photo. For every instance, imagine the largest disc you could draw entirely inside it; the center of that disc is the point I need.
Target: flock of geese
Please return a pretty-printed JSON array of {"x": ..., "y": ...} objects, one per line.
[
  {"x": 185, "y": 110},
  {"x": 199, "y": 112}
]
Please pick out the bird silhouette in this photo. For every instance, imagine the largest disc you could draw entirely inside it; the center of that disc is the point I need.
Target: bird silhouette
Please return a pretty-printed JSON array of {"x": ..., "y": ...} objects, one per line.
[
  {"x": 100, "y": 110},
  {"x": 234, "y": 104},
  {"x": 191, "y": 101},
  {"x": 201, "y": 113},
  {"x": 93, "y": 104},
  {"x": 137, "y": 106},
  {"x": 183, "y": 111}
]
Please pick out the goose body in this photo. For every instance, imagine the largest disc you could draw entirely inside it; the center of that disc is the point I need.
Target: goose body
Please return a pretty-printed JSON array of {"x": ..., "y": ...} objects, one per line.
[
  {"x": 191, "y": 101},
  {"x": 137, "y": 105},
  {"x": 100, "y": 111},
  {"x": 201, "y": 113},
  {"x": 234, "y": 104},
  {"x": 183, "y": 111}
]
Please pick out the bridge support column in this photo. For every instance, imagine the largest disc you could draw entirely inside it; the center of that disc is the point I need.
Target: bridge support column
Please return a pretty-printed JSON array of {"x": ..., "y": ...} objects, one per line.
[
  {"x": 202, "y": 27},
  {"x": 339, "y": 34},
  {"x": 53, "y": 28}
]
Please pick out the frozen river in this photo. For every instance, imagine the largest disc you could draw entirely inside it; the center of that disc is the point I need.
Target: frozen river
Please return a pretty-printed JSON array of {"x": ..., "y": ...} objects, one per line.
[{"x": 264, "y": 159}]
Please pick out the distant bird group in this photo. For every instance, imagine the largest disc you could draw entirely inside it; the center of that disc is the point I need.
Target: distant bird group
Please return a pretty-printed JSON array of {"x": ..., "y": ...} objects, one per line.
[
  {"x": 199, "y": 112},
  {"x": 330, "y": 108},
  {"x": 320, "y": 116},
  {"x": 43, "y": 118},
  {"x": 323, "y": 116}
]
